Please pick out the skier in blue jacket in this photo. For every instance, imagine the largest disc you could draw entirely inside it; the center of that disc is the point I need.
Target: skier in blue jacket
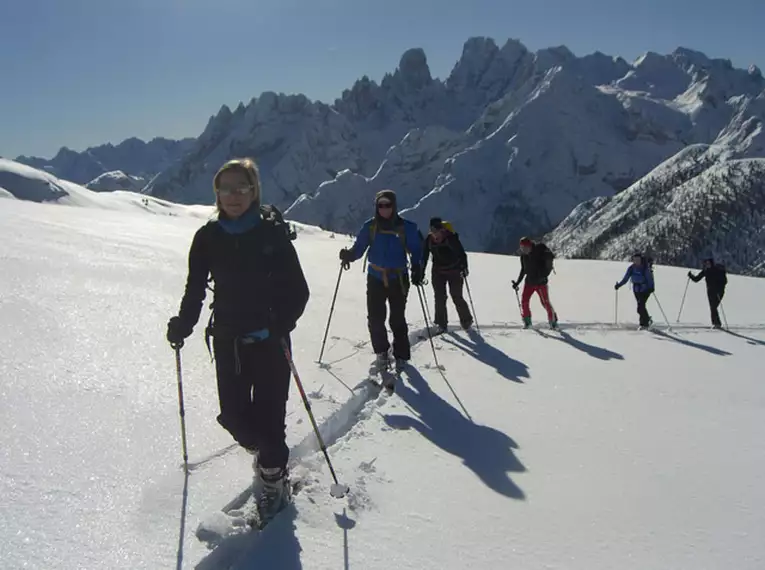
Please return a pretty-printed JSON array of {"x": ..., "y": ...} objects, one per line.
[
  {"x": 641, "y": 275},
  {"x": 389, "y": 238}
]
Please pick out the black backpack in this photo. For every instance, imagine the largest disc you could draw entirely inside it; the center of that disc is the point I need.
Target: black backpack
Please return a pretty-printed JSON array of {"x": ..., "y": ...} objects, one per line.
[
  {"x": 548, "y": 259},
  {"x": 271, "y": 214}
]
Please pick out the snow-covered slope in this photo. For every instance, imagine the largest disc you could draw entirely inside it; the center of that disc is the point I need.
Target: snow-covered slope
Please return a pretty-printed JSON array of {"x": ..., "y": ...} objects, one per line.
[
  {"x": 693, "y": 206},
  {"x": 116, "y": 180},
  {"x": 132, "y": 156},
  {"x": 596, "y": 448},
  {"x": 29, "y": 184}
]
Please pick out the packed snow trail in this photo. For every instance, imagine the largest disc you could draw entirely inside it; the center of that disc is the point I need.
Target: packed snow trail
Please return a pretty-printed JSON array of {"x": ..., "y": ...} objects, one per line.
[{"x": 607, "y": 447}]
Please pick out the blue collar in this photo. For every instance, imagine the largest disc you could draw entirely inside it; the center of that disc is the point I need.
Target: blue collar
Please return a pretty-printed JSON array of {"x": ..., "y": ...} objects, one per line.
[{"x": 244, "y": 223}]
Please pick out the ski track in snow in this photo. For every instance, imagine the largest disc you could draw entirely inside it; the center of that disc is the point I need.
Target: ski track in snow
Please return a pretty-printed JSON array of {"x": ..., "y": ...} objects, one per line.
[{"x": 226, "y": 532}]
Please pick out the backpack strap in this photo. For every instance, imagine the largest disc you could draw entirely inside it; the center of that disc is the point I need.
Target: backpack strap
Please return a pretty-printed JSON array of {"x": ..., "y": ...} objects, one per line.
[{"x": 399, "y": 230}]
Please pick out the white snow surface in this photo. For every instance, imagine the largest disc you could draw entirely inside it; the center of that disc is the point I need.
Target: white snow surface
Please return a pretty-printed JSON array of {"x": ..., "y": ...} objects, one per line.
[
  {"x": 30, "y": 184},
  {"x": 599, "y": 447}
]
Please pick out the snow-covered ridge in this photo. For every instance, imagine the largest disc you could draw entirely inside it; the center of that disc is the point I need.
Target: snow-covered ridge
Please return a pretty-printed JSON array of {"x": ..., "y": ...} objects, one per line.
[
  {"x": 22, "y": 182},
  {"x": 693, "y": 206},
  {"x": 132, "y": 156}
]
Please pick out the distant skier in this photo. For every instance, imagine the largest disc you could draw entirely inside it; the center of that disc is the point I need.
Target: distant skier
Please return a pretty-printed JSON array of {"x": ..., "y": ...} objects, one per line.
[
  {"x": 641, "y": 275},
  {"x": 260, "y": 293},
  {"x": 450, "y": 267},
  {"x": 716, "y": 278},
  {"x": 536, "y": 266},
  {"x": 389, "y": 239}
]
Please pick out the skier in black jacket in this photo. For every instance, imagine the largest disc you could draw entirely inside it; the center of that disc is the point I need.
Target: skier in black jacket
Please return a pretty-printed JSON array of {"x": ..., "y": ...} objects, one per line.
[
  {"x": 450, "y": 267},
  {"x": 717, "y": 279},
  {"x": 259, "y": 294}
]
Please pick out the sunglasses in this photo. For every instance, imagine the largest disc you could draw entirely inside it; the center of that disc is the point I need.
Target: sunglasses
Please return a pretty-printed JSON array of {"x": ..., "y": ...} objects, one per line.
[
  {"x": 240, "y": 191},
  {"x": 384, "y": 205}
]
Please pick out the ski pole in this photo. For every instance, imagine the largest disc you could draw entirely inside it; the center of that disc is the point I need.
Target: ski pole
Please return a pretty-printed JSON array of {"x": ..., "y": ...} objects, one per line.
[
  {"x": 518, "y": 299},
  {"x": 177, "y": 348},
  {"x": 332, "y": 307},
  {"x": 616, "y": 308},
  {"x": 682, "y": 303},
  {"x": 425, "y": 298},
  {"x": 427, "y": 326},
  {"x": 470, "y": 296},
  {"x": 669, "y": 326},
  {"x": 337, "y": 490}
]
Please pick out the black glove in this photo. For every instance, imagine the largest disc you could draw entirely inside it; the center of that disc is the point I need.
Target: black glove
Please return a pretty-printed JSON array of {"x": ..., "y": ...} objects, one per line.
[
  {"x": 651, "y": 290},
  {"x": 417, "y": 275},
  {"x": 616, "y": 286},
  {"x": 346, "y": 255},
  {"x": 177, "y": 331},
  {"x": 690, "y": 275},
  {"x": 465, "y": 271},
  {"x": 515, "y": 285}
]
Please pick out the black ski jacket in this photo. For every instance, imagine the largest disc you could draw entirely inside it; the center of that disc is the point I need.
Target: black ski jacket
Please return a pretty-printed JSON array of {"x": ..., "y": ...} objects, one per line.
[
  {"x": 258, "y": 280},
  {"x": 448, "y": 254},
  {"x": 715, "y": 276},
  {"x": 536, "y": 266}
]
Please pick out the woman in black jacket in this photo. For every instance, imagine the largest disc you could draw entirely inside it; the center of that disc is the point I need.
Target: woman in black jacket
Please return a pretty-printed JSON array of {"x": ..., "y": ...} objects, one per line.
[{"x": 259, "y": 294}]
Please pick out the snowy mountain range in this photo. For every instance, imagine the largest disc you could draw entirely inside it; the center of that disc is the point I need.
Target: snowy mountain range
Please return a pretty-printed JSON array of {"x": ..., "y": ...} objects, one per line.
[
  {"x": 133, "y": 157},
  {"x": 509, "y": 144}
]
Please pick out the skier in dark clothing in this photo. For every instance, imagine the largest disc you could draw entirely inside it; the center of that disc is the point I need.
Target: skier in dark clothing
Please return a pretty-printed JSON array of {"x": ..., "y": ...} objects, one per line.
[
  {"x": 389, "y": 239},
  {"x": 450, "y": 267},
  {"x": 716, "y": 278},
  {"x": 259, "y": 294},
  {"x": 641, "y": 275},
  {"x": 536, "y": 266}
]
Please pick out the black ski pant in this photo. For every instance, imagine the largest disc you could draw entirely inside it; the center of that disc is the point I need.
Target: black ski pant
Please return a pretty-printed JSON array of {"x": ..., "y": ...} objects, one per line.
[
  {"x": 642, "y": 298},
  {"x": 715, "y": 298},
  {"x": 455, "y": 281},
  {"x": 379, "y": 297},
  {"x": 253, "y": 387}
]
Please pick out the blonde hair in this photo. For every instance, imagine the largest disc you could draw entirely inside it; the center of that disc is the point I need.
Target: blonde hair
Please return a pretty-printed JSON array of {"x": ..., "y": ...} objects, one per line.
[{"x": 250, "y": 170}]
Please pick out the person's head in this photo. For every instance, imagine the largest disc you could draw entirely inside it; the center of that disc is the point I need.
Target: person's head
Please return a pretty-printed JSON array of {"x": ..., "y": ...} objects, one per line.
[
  {"x": 637, "y": 259},
  {"x": 437, "y": 229},
  {"x": 525, "y": 245},
  {"x": 708, "y": 263},
  {"x": 237, "y": 187},
  {"x": 385, "y": 204}
]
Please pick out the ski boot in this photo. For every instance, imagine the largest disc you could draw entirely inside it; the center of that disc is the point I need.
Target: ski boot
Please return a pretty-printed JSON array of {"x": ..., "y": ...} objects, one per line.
[
  {"x": 382, "y": 362},
  {"x": 526, "y": 322},
  {"x": 401, "y": 363},
  {"x": 554, "y": 324},
  {"x": 466, "y": 324},
  {"x": 276, "y": 494},
  {"x": 257, "y": 480},
  {"x": 440, "y": 329}
]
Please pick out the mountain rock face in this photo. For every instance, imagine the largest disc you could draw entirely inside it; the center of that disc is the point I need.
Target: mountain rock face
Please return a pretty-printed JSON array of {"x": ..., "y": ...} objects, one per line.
[
  {"x": 526, "y": 137},
  {"x": 695, "y": 205},
  {"x": 133, "y": 157}
]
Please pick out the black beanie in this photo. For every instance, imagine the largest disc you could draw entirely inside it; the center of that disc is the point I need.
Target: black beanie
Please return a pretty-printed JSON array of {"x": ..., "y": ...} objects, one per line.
[{"x": 436, "y": 223}]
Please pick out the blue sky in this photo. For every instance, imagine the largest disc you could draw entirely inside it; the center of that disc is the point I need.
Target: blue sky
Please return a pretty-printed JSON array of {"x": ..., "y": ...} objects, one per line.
[{"x": 84, "y": 72}]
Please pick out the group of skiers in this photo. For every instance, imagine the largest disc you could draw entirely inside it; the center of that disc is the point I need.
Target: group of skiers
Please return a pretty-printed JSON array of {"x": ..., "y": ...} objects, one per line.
[
  {"x": 260, "y": 292},
  {"x": 640, "y": 273}
]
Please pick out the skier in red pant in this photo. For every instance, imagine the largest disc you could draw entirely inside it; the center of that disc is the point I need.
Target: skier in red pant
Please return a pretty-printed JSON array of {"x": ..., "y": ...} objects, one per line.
[{"x": 536, "y": 266}]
